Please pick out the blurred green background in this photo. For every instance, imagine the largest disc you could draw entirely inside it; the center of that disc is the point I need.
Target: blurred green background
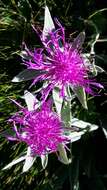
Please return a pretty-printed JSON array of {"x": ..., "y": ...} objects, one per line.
[{"x": 89, "y": 168}]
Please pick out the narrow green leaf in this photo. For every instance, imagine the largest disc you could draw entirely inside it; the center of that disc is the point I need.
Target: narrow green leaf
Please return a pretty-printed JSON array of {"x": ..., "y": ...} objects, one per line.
[
  {"x": 97, "y": 12},
  {"x": 28, "y": 161},
  {"x": 27, "y": 74},
  {"x": 81, "y": 95},
  {"x": 66, "y": 113},
  {"x": 83, "y": 125},
  {"x": 78, "y": 41},
  {"x": 44, "y": 160},
  {"x": 48, "y": 24},
  {"x": 105, "y": 132},
  {"x": 30, "y": 100},
  {"x": 99, "y": 69},
  {"x": 63, "y": 155},
  {"x": 57, "y": 100},
  {"x": 16, "y": 161}
]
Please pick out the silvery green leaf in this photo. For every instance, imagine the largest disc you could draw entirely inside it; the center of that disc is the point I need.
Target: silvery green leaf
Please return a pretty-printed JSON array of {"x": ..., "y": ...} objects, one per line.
[
  {"x": 25, "y": 55},
  {"x": 93, "y": 41},
  {"x": 63, "y": 155},
  {"x": 75, "y": 136},
  {"x": 99, "y": 69},
  {"x": 58, "y": 100},
  {"x": 27, "y": 74},
  {"x": 92, "y": 51},
  {"x": 83, "y": 125},
  {"x": 86, "y": 57},
  {"x": 78, "y": 41},
  {"x": 44, "y": 160},
  {"x": 81, "y": 95},
  {"x": 66, "y": 112},
  {"x": 14, "y": 162},
  {"x": 93, "y": 68},
  {"x": 105, "y": 132},
  {"x": 48, "y": 24},
  {"x": 96, "y": 69},
  {"x": 28, "y": 161},
  {"x": 30, "y": 100},
  {"x": 89, "y": 61}
]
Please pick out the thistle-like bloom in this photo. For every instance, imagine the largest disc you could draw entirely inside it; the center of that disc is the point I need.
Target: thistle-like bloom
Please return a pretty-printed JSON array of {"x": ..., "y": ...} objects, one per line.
[
  {"x": 43, "y": 132},
  {"x": 60, "y": 63},
  {"x": 40, "y": 129},
  {"x": 63, "y": 65}
]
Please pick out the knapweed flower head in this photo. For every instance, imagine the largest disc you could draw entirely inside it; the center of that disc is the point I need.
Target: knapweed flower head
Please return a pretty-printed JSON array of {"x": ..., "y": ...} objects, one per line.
[
  {"x": 40, "y": 129},
  {"x": 60, "y": 63}
]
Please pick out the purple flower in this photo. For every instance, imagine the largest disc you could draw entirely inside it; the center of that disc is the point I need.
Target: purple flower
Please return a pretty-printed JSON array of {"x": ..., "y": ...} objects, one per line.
[
  {"x": 59, "y": 63},
  {"x": 63, "y": 62},
  {"x": 64, "y": 66},
  {"x": 41, "y": 129}
]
